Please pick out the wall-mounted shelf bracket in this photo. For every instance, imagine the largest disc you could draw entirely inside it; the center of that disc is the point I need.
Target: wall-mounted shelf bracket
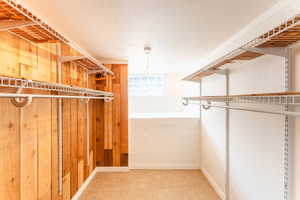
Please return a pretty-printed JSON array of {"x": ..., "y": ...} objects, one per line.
[
  {"x": 275, "y": 51},
  {"x": 63, "y": 59},
  {"x": 206, "y": 106},
  {"x": 21, "y": 102}
]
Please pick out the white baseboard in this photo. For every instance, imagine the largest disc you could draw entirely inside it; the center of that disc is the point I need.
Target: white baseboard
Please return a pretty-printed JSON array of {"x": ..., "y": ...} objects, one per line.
[
  {"x": 112, "y": 169},
  {"x": 165, "y": 166},
  {"x": 212, "y": 182},
  {"x": 84, "y": 185}
]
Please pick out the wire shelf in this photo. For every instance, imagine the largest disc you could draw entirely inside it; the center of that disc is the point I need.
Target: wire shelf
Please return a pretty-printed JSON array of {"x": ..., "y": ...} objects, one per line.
[
  {"x": 272, "y": 99},
  {"x": 36, "y": 85},
  {"x": 280, "y": 37}
]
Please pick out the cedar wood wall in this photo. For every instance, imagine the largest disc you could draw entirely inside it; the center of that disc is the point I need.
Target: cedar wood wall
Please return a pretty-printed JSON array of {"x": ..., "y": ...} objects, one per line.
[{"x": 28, "y": 136}]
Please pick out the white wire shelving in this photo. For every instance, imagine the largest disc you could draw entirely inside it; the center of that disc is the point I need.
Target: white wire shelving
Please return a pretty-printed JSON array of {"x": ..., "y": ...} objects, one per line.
[
  {"x": 274, "y": 42},
  {"x": 271, "y": 98},
  {"x": 280, "y": 99},
  {"x": 37, "y": 85}
]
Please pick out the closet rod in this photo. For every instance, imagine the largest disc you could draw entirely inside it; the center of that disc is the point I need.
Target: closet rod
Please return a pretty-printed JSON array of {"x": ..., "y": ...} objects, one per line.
[
  {"x": 206, "y": 106},
  {"x": 14, "y": 95}
]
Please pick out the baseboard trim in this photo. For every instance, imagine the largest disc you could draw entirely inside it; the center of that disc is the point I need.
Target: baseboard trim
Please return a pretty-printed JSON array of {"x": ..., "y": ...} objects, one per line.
[
  {"x": 84, "y": 185},
  {"x": 165, "y": 166},
  {"x": 212, "y": 182},
  {"x": 112, "y": 169}
]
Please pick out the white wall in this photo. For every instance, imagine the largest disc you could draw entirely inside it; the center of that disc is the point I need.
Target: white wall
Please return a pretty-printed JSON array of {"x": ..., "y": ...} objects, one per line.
[
  {"x": 169, "y": 104},
  {"x": 296, "y": 158},
  {"x": 165, "y": 143},
  {"x": 164, "y": 134},
  {"x": 256, "y": 138}
]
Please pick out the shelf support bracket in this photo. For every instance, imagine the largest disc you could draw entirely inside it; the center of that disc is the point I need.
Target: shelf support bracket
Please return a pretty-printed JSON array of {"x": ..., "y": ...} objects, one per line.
[
  {"x": 21, "y": 102},
  {"x": 63, "y": 59},
  {"x": 275, "y": 51},
  {"x": 185, "y": 102}
]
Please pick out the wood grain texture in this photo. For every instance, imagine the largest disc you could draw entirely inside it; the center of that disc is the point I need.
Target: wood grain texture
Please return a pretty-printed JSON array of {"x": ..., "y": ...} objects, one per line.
[
  {"x": 29, "y": 150},
  {"x": 115, "y": 119},
  {"x": 66, "y": 147},
  {"x": 9, "y": 151},
  {"x": 99, "y": 133},
  {"x": 81, "y": 125},
  {"x": 9, "y": 55},
  {"x": 116, "y": 126},
  {"x": 74, "y": 146},
  {"x": 44, "y": 148},
  {"x": 124, "y": 109},
  {"x": 29, "y": 136},
  {"x": 54, "y": 151}
]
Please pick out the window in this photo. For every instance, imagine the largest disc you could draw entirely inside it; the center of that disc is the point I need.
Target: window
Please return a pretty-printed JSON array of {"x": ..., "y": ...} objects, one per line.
[{"x": 146, "y": 84}]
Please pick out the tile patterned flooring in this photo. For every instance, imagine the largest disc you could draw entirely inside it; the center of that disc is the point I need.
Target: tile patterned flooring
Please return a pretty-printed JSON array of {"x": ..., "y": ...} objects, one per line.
[{"x": 150, "y": 185}]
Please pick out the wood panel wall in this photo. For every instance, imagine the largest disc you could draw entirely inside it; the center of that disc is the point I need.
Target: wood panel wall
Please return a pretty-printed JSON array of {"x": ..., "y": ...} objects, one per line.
[
  {"x": 112, "y": 119},
  {"x": 28, "y": 136}
]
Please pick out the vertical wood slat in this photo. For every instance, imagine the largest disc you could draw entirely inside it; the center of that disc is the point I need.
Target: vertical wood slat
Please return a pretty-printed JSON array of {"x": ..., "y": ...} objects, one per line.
[
  {"x": 66, "y": 148},
  {"x": 99, "y": 133},
  {"x": 116, "y": 150},
  {"x": 9, "y": 151},
  {"x": 66, "y": 117},
  {"x": 108, "y": 112},
  {"x": 9, "y": 53},
  {"x": 54, "y": 150},
  {"x": 92, "y": 141},
  {"x": 81, "y": 113},
  {"x": 44, "y": 148},
  {"x": 86, "y": 128},
  {"x": 74, "y": 146},
  {"x": 124, "y": 108},
  {"x": 29, "y": 149}
]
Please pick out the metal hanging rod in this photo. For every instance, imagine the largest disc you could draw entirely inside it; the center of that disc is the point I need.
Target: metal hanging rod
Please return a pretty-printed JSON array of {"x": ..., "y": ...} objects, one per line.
[
  {"x": 268, "y": 99},
  {"x": 43, "y": 96},
  {"x": 36, "y": 85},
  {"x": 207, "y": 106}
]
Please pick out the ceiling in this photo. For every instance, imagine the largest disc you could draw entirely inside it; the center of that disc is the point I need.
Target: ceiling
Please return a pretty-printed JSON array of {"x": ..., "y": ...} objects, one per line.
[{"x": 180, "y": 32}]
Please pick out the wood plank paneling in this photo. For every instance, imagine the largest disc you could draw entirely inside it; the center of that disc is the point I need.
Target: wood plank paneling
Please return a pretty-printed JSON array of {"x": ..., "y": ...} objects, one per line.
[
  {"x": 116, "y": 150},
  {"x": 74, "y": 147},
  {"x": 9, "y": 151},
  {"x": 124, "y": 109},
  {"x": 28, "y": 60},
  {"x": 44, "y": 148},
  {"x": 43, "y": 72},
  {"x": 29, "y": 135},
  {"x": 9, "y": 55},
  {"x": 54, "y": 150},
  {"x": 29, "y": 149},
  {"x": 66, "y": 107},
  {"x": 99, "y": 133},
  {"x": 81, "y": 113},
  {"x": 115, "y": 115}
]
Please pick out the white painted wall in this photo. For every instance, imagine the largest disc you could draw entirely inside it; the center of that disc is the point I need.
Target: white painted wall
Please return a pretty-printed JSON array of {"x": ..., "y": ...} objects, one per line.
[
  {"x": 163, "y": 133},
  {"x": 256, "y": 138},
  {"x": 165, "y": 143},
  {"x": 296, "y": 166}
]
